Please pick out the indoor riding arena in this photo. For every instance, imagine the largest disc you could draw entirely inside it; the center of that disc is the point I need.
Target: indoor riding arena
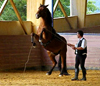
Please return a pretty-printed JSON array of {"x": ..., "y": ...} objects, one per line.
[{"x": 21, "y": 64}]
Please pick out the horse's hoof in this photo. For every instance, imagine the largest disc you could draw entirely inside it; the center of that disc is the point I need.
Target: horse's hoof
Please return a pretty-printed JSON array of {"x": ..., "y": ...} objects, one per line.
[
  {"x": 48, "y": 74},
  {"x": 60, "y": 75},
  {"x": 34, "y": 46},
  {"x": 66, "y": 74},
  {"x": 40, "y": 40}
]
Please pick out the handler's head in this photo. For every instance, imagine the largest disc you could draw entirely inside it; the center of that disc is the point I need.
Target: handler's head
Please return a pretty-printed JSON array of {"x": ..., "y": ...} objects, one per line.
[{"x": 80, "y": 33}]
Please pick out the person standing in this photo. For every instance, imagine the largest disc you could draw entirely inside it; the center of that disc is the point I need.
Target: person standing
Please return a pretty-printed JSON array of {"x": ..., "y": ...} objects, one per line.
[{"x": 81, "y": 54}]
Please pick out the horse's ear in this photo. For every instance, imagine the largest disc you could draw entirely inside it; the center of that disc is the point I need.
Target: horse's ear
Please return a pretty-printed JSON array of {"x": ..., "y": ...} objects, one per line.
[
  {"x": 40, "y": 4},
  {"x": 46, "y": 5}
]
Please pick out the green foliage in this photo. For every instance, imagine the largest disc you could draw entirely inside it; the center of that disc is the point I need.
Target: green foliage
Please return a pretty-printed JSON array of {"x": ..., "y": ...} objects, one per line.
[
  {"x": 91, "y": 8},
  {"x": 9, "y": 14},
  {"x": 1, "y": 1},
  {"x": 66, "y": 5}
]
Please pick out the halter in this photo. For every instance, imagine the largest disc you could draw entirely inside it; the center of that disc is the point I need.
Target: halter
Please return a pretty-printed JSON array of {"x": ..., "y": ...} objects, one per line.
[
  {"x": 46, "y": 44},
  {"x": 53, "y": 37}
]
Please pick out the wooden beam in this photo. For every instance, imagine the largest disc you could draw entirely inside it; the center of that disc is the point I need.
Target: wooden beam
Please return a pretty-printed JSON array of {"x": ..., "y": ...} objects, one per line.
[
  {"x": 66, "y": 17},
  {"x": 85, "y": 13},
  {"x": 3, "y": 6},
  {"x": 43, "y": 2},
  {"x": 81, "y": 12},
  {"x": 18, "y": 16},
  {"x": 55, "y": 6}
]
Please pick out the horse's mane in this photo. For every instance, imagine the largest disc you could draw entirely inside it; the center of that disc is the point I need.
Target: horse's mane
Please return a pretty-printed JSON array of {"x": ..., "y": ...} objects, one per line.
[{"x": 48, "y": 18}]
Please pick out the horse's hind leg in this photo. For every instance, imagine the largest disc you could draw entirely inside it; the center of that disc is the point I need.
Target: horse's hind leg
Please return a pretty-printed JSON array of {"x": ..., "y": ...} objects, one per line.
[
  {"x": 63, "y": 59},
  {"x": 59, "y": 63},
  {"x": 52, "y": 57}
]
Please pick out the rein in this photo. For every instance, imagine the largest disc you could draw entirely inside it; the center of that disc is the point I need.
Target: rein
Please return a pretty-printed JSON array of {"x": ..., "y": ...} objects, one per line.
[{"x": 45, "y": 44}]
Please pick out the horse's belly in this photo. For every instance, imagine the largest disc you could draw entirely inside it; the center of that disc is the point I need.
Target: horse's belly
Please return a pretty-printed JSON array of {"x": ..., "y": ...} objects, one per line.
[{"x": 55, "y": 46}]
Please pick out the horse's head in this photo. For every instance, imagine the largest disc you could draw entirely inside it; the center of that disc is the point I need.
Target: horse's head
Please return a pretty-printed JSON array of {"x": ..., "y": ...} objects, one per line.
[{"x": 42, "y": 10}]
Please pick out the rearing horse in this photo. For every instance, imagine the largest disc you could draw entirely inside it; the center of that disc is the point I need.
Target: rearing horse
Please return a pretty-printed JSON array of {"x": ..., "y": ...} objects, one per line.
[{"x": 50, "y": 40}]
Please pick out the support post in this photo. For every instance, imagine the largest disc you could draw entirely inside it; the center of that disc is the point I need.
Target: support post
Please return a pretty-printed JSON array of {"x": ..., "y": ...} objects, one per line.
[
  {"x": 81, "y": 12},
  {"x": 73, "y": 10},
  {"x": 32, "y": 7},
  {"x": 43, "y": 2}
]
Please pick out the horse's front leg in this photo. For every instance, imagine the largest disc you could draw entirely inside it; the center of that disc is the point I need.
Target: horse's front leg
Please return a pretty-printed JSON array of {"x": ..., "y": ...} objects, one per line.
[
  {"x": 52, "y": 57},
  {"x": 33, "y": 37},
  {"x": 41, "y": 35}
]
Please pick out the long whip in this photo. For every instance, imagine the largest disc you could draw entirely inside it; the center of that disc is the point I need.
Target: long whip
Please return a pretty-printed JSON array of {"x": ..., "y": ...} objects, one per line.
[{"x": 28, "y": 58}]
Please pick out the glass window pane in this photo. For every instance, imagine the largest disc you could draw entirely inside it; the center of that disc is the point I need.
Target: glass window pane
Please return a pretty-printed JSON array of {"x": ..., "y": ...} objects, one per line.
[
  {"x": 9, "y": 14},
  {"x": 93, "y": 6},
  {"x": 66, "y": 5}
]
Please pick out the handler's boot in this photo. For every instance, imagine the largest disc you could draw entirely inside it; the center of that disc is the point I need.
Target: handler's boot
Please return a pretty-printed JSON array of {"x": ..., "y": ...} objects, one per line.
[
  {"x": 76, "y": 75},
  {"x": 84, "y": 76},
  {"x": 75, "y": 78},
  {"x": 83, "y": 79}
]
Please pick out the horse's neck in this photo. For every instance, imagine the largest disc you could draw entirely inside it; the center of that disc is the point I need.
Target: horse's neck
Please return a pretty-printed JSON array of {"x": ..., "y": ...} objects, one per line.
[{"x": 42, "y": 23}]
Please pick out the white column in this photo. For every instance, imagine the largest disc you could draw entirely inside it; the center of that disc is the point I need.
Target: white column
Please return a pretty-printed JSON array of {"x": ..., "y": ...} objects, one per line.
[{"x": 73, "y": 8}]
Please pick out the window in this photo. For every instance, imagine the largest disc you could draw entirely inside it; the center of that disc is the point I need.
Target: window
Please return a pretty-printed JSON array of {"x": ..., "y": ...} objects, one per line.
[
  {"x": 93, "y": 6},
  {"x": 66, "y": 5},
  {"x": 1, "y": 1},
  {"x": 9, "y": 14}
]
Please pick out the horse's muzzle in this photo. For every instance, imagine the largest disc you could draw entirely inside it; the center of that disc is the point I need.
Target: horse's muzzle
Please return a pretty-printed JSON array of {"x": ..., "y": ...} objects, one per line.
[{"x": 37, "y": 16}]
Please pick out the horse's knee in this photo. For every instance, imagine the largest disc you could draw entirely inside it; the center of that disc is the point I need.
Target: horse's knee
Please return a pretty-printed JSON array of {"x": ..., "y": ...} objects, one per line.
[
  {"x": 54, "y": 63},
  {"x": 33, "y": 34}
]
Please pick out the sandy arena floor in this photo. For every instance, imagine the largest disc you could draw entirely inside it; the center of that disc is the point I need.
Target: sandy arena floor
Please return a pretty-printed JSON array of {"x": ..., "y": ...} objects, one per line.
[{"x": 38, "y": 78}]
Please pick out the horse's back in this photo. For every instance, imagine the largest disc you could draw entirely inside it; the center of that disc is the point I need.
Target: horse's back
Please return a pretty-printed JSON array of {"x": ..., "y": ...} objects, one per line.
[{"x": 59, "y": 37}]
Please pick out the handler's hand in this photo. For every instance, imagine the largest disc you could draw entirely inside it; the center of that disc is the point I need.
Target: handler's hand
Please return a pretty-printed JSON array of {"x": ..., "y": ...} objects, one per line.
[
  {"x": 69, "y": 44},
  {"x": 73, "y": 47}
]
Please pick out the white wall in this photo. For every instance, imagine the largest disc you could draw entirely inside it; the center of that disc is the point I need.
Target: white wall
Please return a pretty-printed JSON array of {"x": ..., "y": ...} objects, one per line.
[{"x": 49, "y": 2}]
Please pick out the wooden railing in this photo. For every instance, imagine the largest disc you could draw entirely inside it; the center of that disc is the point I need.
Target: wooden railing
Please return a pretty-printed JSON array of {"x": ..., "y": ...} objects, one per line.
[
  {"x": 58, "y": 2},
  {"x": 16, "y": 11}
]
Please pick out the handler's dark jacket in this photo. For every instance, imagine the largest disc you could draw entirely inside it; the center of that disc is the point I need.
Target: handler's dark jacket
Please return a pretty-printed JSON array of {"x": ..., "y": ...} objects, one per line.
[{"x": 81, "y": 52}]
